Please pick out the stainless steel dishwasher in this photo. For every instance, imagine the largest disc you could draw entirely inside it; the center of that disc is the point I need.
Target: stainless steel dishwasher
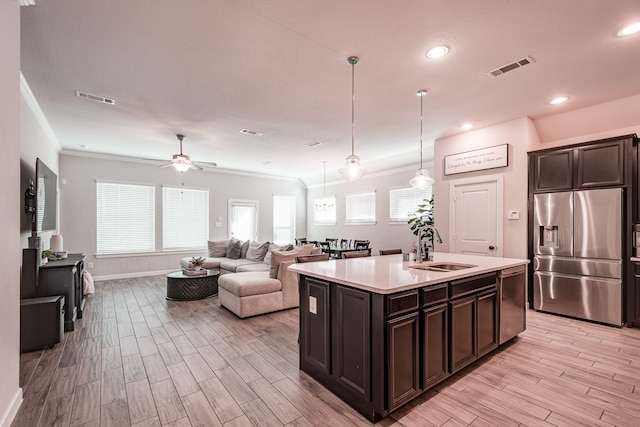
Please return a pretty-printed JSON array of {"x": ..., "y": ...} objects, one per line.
[{"x": 512, "y": 292}]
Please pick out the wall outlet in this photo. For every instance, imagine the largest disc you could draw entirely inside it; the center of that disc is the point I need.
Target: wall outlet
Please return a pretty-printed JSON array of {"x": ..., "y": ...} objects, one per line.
[
  {"x": 89, "y": 265},
  {"x": 313, "y": 305}
]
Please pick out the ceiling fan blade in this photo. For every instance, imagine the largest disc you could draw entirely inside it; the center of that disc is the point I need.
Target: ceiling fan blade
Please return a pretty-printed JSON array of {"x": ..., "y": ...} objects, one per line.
[
  {"x": 195, "y": 167},
  {"x": 206, "y": 164},
  {"x": 166, "y": 165}
]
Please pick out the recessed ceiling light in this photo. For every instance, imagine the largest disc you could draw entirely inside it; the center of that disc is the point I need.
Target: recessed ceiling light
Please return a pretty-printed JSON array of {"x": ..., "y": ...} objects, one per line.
[
  {"x": 466, "y": 126},
  {"x": 629, "y": 30},
  {"x": 559, "y": 100},
  {"x": 437, "y": 52}
]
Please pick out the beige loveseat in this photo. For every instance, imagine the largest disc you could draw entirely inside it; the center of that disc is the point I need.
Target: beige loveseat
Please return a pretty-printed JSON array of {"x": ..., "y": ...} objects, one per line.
[{"x": 248, "y": 287}]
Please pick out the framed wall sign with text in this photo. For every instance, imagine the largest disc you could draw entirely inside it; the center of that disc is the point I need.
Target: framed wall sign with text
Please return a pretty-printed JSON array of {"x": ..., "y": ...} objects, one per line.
[{"x": 475, "y": 160}]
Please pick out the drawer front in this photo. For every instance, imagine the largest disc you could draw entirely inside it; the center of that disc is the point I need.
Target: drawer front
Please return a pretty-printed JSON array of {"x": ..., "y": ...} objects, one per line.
[
  {"x": 435, "y": 294},
  {"x": 402, "y": 303},
  {"x": 468, "y": 285}
]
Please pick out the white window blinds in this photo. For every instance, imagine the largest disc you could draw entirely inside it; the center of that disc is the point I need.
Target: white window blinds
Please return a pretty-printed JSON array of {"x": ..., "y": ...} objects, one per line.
[
  {"x": 361, "y": 207},
  {"x": 284, "y": 219},
  {"x": 405, "y": 201},
  {"x": 125, "y": 218},
  {"x": 324, "y": 210},
  {"x": 185, "y": 218}
]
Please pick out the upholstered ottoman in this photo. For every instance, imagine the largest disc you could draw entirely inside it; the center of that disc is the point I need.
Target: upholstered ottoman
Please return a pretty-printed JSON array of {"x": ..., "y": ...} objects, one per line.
[{"x": 251, "y": 293}]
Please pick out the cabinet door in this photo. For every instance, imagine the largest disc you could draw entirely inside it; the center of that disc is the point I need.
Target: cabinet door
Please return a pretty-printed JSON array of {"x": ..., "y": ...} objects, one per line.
[
  {"x": 601, "y": 165},
  {"x": 351, "y": 338},
  {"x": 487, "y": 322},
  {"x": 403, "y": 354},
  {"x": 435, "y": 343},
  {"x": 315, "y": 322},
  {"x": 554, "y": 170},
  {"x": 464, "y": 348}
]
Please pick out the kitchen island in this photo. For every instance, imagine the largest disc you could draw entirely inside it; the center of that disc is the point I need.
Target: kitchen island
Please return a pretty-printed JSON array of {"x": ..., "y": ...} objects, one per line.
[{"x": 378, "y": 331}]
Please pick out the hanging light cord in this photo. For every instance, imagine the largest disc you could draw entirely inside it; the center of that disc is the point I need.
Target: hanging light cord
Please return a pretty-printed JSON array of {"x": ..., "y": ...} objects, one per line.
[
  {"x": 421, "y": 94},
  {"x": 353, "y": 60}
]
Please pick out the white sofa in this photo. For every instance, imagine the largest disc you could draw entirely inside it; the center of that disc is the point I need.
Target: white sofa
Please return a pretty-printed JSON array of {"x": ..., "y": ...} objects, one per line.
[{"x": 248, "y": 287}]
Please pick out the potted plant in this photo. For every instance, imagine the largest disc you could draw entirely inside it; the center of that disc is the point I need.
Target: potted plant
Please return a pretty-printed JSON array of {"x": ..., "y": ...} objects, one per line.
[
  {"x": 197, "y": 262},
  {"x": 422, "y": 217}
]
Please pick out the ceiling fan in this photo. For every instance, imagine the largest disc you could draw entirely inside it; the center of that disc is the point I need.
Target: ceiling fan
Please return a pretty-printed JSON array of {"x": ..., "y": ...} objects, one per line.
[{"x": 182, "y": 162}]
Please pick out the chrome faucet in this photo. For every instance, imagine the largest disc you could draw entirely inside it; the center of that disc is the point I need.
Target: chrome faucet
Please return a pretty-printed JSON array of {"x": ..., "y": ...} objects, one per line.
[{"x": 422, "y": 253}]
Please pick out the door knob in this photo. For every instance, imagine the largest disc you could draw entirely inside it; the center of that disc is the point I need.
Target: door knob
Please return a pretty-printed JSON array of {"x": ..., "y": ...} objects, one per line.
[{"x": 491, "y": 247}]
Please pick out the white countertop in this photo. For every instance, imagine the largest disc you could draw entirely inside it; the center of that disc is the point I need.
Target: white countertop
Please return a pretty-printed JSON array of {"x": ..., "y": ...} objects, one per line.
[{"x": 388, "y": 274}]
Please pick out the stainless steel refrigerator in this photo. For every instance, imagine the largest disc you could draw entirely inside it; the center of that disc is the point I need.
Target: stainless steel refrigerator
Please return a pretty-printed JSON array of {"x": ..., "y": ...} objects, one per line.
[{"x": 578, "y": 254}]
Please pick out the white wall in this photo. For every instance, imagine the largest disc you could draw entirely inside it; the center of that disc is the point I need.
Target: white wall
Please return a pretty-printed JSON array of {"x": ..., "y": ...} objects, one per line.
[
  {"x": 606, "y": 120},
  {"x": 10, "y": 392},
  {"x": 382, "y": 235},
  {"x": 78, "y": 207}
]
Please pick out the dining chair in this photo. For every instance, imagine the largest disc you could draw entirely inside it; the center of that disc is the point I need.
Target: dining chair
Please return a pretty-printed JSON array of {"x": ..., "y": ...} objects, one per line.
[
  {"x": 361, "y": 244},
  {"x": 356, "y": 254},
  {"x": 332, "y": 241},
  {"x": 345, "y": 243},
  {"x": 390, "y": 251},
  {"x": 324, "y": 246},
  {"x": 301, "y": 241},
  {"x": 312, "y": 258}
]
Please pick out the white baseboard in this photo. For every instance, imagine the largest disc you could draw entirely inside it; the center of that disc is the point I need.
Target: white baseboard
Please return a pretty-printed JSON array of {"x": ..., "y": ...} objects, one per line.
[
  {"x": 12, "y": 409},
  {"x": 131, "y": 275}
]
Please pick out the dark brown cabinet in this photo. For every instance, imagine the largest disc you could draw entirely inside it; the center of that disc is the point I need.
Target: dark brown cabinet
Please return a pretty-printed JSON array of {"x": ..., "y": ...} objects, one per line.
[
  {"x": 435, "y": 333},
  {"x": 554, "y": 170},
  {"x": 404, "y": 354},
  {"x": 379, "y": 351},
  {"x": 474, "y": 319},
  {"x": 351, "y": 354},
  {"x": 580, "y": 167}
]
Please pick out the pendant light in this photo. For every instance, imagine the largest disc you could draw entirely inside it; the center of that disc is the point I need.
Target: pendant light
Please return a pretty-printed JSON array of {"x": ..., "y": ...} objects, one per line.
[
  {"x": 422, "y": 180},
  {"x": 352, "y": 170}
]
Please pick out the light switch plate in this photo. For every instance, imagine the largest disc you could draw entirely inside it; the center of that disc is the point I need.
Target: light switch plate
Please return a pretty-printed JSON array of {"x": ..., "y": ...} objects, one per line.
[{"x": 513, "y": 215}]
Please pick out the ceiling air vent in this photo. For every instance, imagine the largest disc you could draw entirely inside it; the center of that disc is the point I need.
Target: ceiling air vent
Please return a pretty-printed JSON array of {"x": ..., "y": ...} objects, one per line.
[
  {"x": 510, "y": 67},
  {"x": 97, "y": 98},
  {"x": 251, "y": 132},
  {"x": 314, "y": 144}
]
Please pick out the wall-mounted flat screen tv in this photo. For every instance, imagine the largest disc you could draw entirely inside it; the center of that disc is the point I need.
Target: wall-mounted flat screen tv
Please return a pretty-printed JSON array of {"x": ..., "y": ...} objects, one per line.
[{"x": 46, "y": 198}]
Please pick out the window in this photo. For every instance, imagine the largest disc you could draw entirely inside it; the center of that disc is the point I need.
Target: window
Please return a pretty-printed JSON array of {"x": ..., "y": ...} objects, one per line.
[
  {"x": 361, "y": 208},
  {"x": 185, "y": 218},
  {"x": 284, "y": 219},
  {"x": 324, "y": 210},
  {"x": 405, "y": 201},
  {"x": 243, "y": 219},
  {"x": 125, "y": 218}
]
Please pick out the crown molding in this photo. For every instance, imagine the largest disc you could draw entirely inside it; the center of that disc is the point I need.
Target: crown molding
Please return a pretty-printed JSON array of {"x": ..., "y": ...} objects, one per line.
[{"x": 33, "y": 104}]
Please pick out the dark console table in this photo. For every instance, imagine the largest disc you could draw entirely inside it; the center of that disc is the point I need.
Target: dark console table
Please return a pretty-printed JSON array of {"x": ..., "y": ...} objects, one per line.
[{"x": 64, "y": 277}]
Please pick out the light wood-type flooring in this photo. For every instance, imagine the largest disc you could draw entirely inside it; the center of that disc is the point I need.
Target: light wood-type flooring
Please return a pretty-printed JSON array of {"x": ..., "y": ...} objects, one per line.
[{"x": 138, "y": 359}]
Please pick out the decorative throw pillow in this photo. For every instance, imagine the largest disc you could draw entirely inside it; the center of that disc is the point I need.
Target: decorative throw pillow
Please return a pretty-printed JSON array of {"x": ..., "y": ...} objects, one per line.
[
  {"x": 257, "y": 251},
  {"x": 244, "y": 247},
  {"x": 218, "y": 248},
  {"x": 279, "y": 256},
  {"x": 274, "y": 247},
  {"x": 233, "y": 248}
]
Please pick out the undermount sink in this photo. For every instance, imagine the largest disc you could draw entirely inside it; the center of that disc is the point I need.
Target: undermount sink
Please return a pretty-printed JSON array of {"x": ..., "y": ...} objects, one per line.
[{"x": 441, "y": 266}]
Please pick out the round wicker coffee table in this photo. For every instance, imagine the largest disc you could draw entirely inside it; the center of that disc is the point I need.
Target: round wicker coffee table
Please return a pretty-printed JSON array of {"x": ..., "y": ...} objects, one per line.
[{"x": 182, "y": 287}]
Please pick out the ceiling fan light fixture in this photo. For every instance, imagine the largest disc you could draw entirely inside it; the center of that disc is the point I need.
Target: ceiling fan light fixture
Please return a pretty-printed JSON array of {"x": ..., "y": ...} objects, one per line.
[{"x": 352, "y": 169}]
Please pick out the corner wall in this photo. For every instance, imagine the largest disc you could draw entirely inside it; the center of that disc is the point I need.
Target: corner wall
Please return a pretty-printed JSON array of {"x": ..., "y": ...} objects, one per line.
[{"x": 10, "y": 392}]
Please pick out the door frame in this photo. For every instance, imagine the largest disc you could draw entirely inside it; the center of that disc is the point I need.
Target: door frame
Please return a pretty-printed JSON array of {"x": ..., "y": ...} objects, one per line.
[{"x": 499, "y": 181}]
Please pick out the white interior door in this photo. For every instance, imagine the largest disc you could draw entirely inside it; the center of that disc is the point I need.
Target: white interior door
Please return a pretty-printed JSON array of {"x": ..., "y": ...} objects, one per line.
[
  {"x": 243, "y": 219},
  {"x": 476, "y": 206}
]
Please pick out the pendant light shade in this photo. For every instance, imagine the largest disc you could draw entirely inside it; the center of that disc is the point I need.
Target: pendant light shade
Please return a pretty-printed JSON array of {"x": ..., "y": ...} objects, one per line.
[
  {"x": 352, "y": 169},
  {"x": 422, "y": 180}
]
